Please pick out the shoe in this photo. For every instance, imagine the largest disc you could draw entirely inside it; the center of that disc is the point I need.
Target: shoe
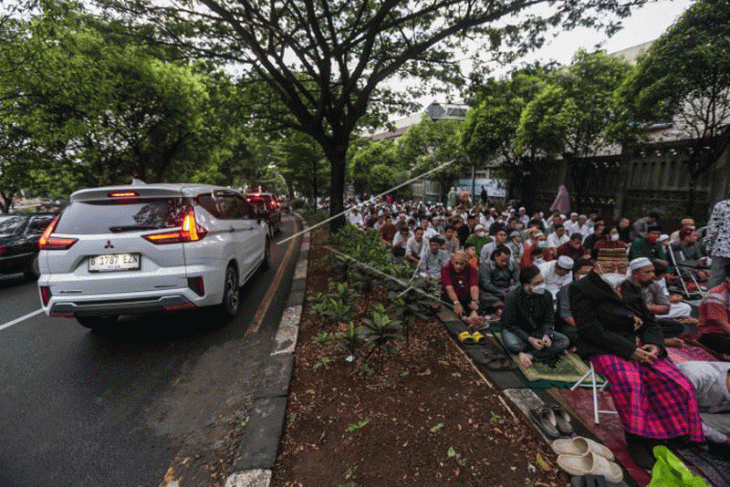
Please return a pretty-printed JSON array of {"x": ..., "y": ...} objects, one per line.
[
  {"x": 640, "y": 450},
  {"x": 563, "y": 421},
  {"x": 544, "y": 418},
  {"x": 466, "y": 337},
  {"x": 591, "y": 464},
  {"x": 581, "y": 446}
]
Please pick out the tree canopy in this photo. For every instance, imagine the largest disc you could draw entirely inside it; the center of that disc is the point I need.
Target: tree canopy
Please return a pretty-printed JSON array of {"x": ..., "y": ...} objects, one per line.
[{"x": 327, "y": 60}]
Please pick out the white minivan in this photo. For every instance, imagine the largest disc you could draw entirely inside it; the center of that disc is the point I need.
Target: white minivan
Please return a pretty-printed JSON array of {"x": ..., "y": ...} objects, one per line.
[{"x": 121, "y": 250}]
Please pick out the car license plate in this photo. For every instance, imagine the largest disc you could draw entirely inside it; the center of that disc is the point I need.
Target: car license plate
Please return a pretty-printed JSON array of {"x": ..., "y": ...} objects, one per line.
[{"x": 113, "y": 262}]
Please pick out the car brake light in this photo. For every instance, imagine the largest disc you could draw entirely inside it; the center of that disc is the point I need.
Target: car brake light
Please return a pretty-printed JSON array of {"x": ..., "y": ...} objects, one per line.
[
  {"x": 189, "y": 231},
  {"x": 122, "y": 194},
  {"x": 49, "y": 242},
  {"x": 45, "y": 294}
]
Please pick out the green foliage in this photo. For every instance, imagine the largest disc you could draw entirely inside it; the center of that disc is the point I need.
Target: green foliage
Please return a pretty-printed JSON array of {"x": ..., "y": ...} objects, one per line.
[
  {"x": 359, "y": 425},
  {"x": 323, "y": 362},
  {"x": 322, "y": 338},
  {"x": 339, "y": 310},
  {"x": 381, "y": 330},
  {"x": 351, "y": 338}
]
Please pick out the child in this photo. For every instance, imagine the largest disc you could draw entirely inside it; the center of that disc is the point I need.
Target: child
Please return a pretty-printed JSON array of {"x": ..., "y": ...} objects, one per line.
[{"x": 471, "y": 252}]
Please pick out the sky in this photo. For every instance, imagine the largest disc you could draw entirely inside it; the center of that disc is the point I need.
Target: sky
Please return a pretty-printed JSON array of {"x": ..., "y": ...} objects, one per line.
[{"x": 645, "y": 24}]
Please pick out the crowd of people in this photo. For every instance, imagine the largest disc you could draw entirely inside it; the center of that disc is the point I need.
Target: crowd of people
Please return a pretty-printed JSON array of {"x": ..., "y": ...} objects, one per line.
[{"x": 579, "y": 282}]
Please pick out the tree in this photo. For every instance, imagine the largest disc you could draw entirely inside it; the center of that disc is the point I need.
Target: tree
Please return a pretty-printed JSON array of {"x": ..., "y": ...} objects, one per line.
[
  {"x": 430, "y": 143},
  {"x": 572, "y": 114},
  {"x": 327, "y": 60},
  {"x": 685, "y": 77},
  {"x": 376, "y": 166},
  {"x": 490, "y": 129},
  {"x": 87, "y": 110}
]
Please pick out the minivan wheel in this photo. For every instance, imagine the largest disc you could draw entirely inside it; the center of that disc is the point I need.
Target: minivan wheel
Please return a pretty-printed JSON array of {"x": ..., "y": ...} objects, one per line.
[
  {"x": 96, "y": 322},
  {"x": 34, "y": 271},
  {"x": 266, "y": 264},
  {"x": 231, "y": 293}
]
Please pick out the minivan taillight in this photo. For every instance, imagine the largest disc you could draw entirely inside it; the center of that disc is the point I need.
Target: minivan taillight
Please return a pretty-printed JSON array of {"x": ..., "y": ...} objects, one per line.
[
  {"x": 49, "y": 242},
  {"x": 189, "y": 231},
  {"x": 45, "y": 294}
]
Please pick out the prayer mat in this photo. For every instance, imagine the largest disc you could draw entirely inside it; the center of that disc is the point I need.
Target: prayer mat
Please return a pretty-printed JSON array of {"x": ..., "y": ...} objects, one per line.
[
  {"x": 714, "y": 468},
  {"x": 688, "y": 353},
  {"x": 568, "y": 370}
]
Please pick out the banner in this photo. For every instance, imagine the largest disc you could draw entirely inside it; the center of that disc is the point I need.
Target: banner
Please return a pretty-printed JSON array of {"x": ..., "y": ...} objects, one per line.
[{"x": 496, "y": 188}]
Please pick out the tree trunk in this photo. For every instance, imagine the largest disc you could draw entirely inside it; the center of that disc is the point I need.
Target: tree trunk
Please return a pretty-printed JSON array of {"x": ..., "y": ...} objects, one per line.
[{"x": 337, "y": 155}]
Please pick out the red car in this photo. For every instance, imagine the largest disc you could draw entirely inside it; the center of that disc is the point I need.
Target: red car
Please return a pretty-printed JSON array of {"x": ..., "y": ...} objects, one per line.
[{"x": 269, "y": 207}]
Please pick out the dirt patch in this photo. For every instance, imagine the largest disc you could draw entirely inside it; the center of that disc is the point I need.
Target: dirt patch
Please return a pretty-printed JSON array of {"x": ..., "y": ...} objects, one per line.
[{"x": 423, "y": 418}]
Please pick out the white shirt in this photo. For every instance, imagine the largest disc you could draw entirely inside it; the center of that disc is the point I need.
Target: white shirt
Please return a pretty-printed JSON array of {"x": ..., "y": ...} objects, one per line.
[
  {"x": 713, "y": 398},
  {"x": 553, "y": 241},
  {"x": 397, "y": 239},
  {"x": 416, "y": 249},
  {"x": 553, "y": 282}
]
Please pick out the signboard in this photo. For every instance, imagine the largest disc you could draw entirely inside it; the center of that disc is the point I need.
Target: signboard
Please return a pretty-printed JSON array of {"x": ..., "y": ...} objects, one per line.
[{"x": 496, "y": 188}]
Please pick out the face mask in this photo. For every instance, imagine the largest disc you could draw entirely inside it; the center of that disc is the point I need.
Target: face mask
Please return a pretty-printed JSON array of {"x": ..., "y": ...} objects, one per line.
[
  {"x": 615, "y": 237},
  {"x": 539, "y": 289},
  {"x": 538, "y": 261},
  {"x": 580, "y": 277},
  {"x": 613, "y": 279},
  {"x": 480, "y": 233},
  {"x": 542, "y": 244}
]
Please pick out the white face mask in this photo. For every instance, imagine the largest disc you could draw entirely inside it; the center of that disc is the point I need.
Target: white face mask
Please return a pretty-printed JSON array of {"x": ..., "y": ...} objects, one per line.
[
  {"x": 615, "y": 237},
  {"x": 480, "y": 233},
  {"x": 539, "y": 289},
  {"x": 613, "y": 279},
  {"x": 538, "y": 261}
]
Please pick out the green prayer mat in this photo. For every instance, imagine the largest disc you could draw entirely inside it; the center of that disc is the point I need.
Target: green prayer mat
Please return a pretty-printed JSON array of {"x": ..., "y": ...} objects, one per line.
[{"x": 569, "y": 369}]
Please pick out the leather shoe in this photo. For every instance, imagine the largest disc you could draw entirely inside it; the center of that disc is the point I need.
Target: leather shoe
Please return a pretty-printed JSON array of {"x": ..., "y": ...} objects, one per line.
[{"x": 544, "y": 418}]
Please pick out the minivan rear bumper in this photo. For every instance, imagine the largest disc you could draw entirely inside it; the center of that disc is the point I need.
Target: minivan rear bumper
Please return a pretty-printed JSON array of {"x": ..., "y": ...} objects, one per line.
[{"x": 126, "y": 306}]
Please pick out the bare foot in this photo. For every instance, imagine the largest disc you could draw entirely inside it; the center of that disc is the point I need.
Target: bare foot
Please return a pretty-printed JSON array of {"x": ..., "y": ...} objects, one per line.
[
  {"x": 673, "y": 342},
  {"x": 525, "y": 360}
]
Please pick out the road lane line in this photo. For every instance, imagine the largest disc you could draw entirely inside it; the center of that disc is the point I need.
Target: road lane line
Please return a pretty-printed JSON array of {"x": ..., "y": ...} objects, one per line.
[
  {"x": 264, "y": 307},
  {"x": 22, "y": 318}
]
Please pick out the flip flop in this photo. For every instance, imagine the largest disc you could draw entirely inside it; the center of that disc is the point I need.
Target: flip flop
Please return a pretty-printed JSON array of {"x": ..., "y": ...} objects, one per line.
[
  {"x": 466, "y": 337},
  {"x": 478, "y": 337}
]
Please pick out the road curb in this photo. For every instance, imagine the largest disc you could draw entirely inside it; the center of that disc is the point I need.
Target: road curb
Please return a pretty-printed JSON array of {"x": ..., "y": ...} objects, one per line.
[{"x": 260, "y": 441}]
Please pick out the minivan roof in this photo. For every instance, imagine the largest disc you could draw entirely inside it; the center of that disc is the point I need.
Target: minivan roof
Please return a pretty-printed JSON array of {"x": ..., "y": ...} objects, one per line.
[{"x": 147, "y": 190}]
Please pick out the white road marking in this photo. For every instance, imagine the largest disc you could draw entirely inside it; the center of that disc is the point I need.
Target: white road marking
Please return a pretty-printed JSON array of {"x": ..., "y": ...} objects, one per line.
[{"x": 22, "y": 318}]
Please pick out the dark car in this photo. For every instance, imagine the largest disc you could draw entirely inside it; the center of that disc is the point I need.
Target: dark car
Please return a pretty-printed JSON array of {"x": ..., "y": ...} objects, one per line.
[
  {"x": 269, "y": 207},
  {"x": 19, "y": 235}
]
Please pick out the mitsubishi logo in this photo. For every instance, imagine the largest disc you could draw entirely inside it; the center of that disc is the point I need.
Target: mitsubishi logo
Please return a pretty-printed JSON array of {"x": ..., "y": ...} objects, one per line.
[{"x": 109, "y": 245}]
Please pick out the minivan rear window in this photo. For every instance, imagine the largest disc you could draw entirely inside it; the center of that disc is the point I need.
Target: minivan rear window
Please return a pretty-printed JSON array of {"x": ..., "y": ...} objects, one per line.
[{"x": 114, "y": 216}]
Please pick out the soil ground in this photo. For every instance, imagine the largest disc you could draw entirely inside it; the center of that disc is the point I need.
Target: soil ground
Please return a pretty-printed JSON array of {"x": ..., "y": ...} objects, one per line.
[{"x": 426, "y": 417}]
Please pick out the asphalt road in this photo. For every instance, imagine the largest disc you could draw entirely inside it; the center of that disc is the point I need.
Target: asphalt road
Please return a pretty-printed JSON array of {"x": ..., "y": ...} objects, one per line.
[{"x": 125, "y": 407}]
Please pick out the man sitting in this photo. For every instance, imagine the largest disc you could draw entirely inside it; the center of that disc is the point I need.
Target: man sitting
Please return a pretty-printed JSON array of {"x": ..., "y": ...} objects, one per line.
[
  {"x": 556, "y": 273},
  {"x": 479, "y": 238},
  {"x": 451, "y": 241},
  {"x": 649, "y": 247},
  {"x": 564, "y": 322},
  {"x": 641, "y": 286},
  {"x": 527, "y": 321},
  {"x": 690, "y": 256},
  {"x": 654, "y": 400},
  {"x": 714, "y": 319},
  {"x": 573, "y": 248},
  {"x": 387, "y": 231},
  {"x": 415, "y": 247},
  {"x": 498, "y": 276},
  {"x": 460, "y": 285},
  {"x": 500, "y": 239},
  {"x": 398, "y": 248},
  {"x": 557, "y": 238},
  {"x": 434, "y": 259}
]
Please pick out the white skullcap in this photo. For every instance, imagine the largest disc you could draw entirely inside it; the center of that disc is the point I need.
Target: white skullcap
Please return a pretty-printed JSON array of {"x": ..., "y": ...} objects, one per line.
[
  {"x": 663, "y": 237},
  {"x": 565, "y": 262},
  {"x": 639, "y": 262}
]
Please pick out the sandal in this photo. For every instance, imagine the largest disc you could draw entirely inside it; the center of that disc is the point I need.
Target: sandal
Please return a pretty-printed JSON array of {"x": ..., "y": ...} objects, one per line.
[
  {"x": 466, "y": 337},
  {"x": 478, "y": 337}
]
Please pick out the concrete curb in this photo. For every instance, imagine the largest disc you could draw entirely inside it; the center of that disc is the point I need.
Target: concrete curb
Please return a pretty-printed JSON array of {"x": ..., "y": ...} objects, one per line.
[{"x": 260, "y": 442}]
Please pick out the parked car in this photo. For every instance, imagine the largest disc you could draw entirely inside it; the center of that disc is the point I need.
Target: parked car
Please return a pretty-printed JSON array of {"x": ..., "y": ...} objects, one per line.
[
  {"x": 266, "y": 204},
  {"x": 19, "y": 235},
  {"x": 131, "y": 249}
]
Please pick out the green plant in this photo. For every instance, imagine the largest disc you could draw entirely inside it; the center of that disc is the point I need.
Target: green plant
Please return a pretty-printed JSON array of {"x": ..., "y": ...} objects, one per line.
[
  {"x": 351, "y": 338},
  {"x": 316, "y": 298},
  {"x": 359, "y": 425},
  {"x": 341, "y": 291},
  {"x": 323, "y": 362},
  {"x": 381, "y": 331},
  {"x": 339, "y": 310},
  {"x": 319, "y": 309},
  {"x": 322, "y": 338}
]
